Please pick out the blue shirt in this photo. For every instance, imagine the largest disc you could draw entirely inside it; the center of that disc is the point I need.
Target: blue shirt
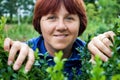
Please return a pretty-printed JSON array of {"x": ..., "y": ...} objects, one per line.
[{"x": 72, "y": 62}]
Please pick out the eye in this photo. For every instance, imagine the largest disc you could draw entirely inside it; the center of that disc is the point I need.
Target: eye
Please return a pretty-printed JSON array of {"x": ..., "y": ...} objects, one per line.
[
  {"x": 52, "y": 18},
  {"x": 69, "y": 18}
]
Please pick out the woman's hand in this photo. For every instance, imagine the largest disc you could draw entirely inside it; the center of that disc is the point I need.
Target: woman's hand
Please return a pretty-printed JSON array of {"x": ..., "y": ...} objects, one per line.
[
  {"x": 22, "y": 50},
  {"x": 101, "y": 45}
]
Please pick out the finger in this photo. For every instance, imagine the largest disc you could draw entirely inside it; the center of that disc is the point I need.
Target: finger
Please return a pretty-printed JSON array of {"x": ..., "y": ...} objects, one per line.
[
  {"x": 92, "y": 59},
  {"x": 107, "y": 42},
  {"x": 7, "y": 43},
  {"x": 30, "y": 60},
  {"x": 21, "y": 57},
  {"x": 102, "y": 47},
  {"x": 96, "y": 51},
  {"x": 12, "y": 53},
  {"x": 101, "y": 36},
  {"x": 110, "y": 34}
]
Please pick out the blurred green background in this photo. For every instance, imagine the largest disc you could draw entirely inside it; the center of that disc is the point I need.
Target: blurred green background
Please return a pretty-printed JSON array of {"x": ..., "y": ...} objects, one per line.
[{"x": 102, "y": 15}]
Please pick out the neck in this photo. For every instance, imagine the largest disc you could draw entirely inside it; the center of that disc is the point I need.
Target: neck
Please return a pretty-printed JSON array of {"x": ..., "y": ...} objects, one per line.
[{"x": 66, "y": 52}]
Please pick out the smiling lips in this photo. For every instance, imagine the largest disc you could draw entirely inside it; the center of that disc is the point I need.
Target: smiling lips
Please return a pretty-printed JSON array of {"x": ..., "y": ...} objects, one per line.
[{"x": 61, "y": 36}]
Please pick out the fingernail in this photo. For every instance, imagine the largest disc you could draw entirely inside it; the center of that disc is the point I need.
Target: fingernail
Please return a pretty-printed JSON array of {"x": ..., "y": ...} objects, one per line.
[
  {"x": 106, "y": 59},
  {"x": 9, "y": 62},
  {"x": 26, "y": 71},
  {"x": 6, "y": 49},
  {"x": 15, "y": 67}
]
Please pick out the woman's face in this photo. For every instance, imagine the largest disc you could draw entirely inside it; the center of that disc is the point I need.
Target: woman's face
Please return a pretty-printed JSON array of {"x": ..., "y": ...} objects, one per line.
[{"x": 59, "y": 30}]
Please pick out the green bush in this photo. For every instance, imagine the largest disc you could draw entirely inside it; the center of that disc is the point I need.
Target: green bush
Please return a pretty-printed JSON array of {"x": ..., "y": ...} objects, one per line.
[{"x": 109, "y": 70}]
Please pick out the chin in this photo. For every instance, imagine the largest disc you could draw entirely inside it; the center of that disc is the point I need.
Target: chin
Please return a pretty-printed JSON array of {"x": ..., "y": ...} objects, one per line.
[{"x": 60, "y": 47}]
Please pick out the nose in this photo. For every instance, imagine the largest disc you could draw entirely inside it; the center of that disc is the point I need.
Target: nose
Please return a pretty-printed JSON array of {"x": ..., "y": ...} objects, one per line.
[{"x": 61, "y": 26}]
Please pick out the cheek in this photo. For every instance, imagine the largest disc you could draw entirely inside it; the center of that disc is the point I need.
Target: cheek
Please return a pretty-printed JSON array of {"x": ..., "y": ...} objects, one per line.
[
  {"x": 47, "y": 30},
  {"x": 75, "y": 28},
  {"x": 43, "y": 26}
]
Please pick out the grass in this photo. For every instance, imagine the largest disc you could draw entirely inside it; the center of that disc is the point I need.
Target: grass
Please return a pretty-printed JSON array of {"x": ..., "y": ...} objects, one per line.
[{"x": 22, "y": 32}]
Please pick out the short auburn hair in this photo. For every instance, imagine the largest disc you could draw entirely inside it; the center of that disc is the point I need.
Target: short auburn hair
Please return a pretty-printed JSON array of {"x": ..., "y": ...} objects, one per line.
[{"x": 44, "y": 7}]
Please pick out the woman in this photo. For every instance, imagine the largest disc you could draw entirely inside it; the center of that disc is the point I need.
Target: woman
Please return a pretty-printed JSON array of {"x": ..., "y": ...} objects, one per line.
[{"x": 59, "y": 23}]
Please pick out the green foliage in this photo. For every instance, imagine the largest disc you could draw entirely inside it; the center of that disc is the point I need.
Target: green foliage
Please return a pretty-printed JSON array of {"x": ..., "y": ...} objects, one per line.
[
  {"x": 101, "y": 15},
  {"x": 109, "y": 8},
  {"x": 7, "y": 73},
  {"x": 97, "y": 71},
  {"x": 2, "y": 24},
  {"x": 57, "y": 70},
  {"x": 109, "y": 70}
]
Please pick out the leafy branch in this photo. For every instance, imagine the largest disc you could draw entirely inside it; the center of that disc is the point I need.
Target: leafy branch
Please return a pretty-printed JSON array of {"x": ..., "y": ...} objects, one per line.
[{"x": 109, "y": 70}]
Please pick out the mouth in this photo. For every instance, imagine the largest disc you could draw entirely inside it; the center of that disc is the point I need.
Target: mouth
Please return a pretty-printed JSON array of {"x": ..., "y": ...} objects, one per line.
[{"x": 61, "y": 35}]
